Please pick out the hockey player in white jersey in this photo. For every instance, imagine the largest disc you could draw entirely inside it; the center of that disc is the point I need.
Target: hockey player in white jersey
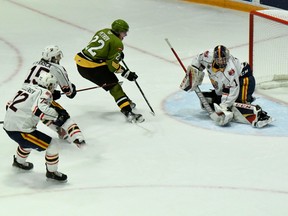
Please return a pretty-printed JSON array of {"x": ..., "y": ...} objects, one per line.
[
  {"x": 50, "y": 63},
  {"x": 233, "y": 84},
  {"x": 31, "y": 104}
]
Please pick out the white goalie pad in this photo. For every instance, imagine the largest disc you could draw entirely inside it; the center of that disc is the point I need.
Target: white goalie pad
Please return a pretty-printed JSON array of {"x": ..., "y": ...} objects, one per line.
[
  {"x": 251, "y": 114},
  {"x": 192, "y": 79}
]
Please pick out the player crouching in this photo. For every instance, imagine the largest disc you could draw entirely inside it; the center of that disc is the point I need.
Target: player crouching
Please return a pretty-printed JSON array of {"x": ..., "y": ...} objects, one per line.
[
  {"x": 31, "y": 104},
  {"x": 233, "y": 84}
]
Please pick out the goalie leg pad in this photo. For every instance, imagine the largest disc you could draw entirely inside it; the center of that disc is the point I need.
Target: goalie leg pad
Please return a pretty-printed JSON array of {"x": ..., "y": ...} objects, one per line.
[
  {"x": 239, "y": 117},
  {"x": 251, "y": 114}
]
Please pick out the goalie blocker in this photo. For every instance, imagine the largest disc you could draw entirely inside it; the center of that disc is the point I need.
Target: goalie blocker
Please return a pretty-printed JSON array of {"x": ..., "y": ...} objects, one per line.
[{"x": 192, "y": 79}]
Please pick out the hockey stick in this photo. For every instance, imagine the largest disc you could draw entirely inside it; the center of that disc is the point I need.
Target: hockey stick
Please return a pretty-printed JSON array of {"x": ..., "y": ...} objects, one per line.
[
  {"x": 94, "y": 87},
  {"x": 152, "y": 111},
  {"x": 213, "y": 115}
]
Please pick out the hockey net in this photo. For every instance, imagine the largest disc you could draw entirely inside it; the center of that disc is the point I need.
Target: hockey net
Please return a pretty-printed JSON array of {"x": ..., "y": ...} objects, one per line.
[{"x": 268, "y": 48}]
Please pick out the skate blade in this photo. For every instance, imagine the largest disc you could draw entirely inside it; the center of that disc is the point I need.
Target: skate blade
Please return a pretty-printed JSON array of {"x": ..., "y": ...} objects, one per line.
[{"x": 56, "y": 181}]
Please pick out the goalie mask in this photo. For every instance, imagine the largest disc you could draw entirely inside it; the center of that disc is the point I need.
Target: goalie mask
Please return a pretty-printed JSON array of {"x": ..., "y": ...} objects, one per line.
[
  {"x": 52, "y": 53},
  {"x": 221, "y": 56}
]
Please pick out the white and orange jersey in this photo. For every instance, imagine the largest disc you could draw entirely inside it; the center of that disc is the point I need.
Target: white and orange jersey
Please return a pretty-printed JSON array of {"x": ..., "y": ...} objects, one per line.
[
  {"x": 57, "y": 70},
  {"x": 225, "y": 81},
  {"x": 29, "y": 105}
]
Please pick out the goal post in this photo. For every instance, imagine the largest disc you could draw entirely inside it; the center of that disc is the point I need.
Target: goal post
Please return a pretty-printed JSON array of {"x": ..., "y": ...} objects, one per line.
[{"x": 268, "y": 47}]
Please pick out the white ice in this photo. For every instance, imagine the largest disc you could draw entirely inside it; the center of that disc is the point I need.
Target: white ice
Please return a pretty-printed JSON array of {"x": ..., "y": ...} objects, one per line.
[{"x": 162, "y": 167}]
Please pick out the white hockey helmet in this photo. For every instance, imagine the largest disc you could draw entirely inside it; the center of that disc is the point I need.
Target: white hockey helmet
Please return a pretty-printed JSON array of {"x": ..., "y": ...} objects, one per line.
[
  {"x": 52, "y": 53},
  {"x": 48, "y": 81}
]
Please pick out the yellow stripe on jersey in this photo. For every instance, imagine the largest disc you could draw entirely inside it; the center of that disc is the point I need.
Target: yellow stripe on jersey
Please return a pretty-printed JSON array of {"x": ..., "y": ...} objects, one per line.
[
  {"x": 35, "y": 140},
  {"x": 245, "y": 89},
  {"x": 86, "y": 63},
  {"x": 117, "y": 66},
  {"x": 55, "y": 104}
]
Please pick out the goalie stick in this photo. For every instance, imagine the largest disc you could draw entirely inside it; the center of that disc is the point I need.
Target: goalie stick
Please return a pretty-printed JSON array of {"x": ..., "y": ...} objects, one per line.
[{"x": 212, "y": 114}]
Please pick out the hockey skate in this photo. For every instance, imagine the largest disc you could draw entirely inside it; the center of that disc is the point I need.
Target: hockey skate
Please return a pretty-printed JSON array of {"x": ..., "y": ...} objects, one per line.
[
  {"x": 79, "y": 142},
  {"x": 57, "y": 176},
  {"x": 133, "y": 117},
  {"x": 24, "y": 166},
  {"x": 132, "y": 105}
]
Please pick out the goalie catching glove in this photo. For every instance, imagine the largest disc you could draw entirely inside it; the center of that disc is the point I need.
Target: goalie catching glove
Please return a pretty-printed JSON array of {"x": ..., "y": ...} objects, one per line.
[
  {"x": 224, "y": 114},
  {"x": 192, "y": 79}
]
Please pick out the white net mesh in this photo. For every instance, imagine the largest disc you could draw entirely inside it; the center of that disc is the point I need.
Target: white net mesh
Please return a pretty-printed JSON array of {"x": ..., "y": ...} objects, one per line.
[{"x": 270, "y": 48}]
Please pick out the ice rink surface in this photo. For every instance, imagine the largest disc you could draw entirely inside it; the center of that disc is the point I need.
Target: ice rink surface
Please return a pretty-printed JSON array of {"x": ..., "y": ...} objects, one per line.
[{"x": 166, "y": 166}]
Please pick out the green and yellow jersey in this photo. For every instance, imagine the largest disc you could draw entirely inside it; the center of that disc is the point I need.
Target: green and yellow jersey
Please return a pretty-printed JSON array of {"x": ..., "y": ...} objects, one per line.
[{"x": 105, "y": 48}]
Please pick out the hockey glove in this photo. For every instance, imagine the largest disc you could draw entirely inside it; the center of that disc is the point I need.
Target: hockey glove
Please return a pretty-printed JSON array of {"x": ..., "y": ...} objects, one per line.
[
  {"x": 56, "y": 95},
  {"x": 72, "y": 95},
  {"x": 131, "y": 76},
  {"x": 61, "y": 111},
  {"x": 62, "y": 117}
]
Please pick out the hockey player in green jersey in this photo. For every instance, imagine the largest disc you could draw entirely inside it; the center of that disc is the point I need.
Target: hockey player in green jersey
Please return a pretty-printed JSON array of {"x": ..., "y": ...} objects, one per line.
[{"x": 100, "y": 60}]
